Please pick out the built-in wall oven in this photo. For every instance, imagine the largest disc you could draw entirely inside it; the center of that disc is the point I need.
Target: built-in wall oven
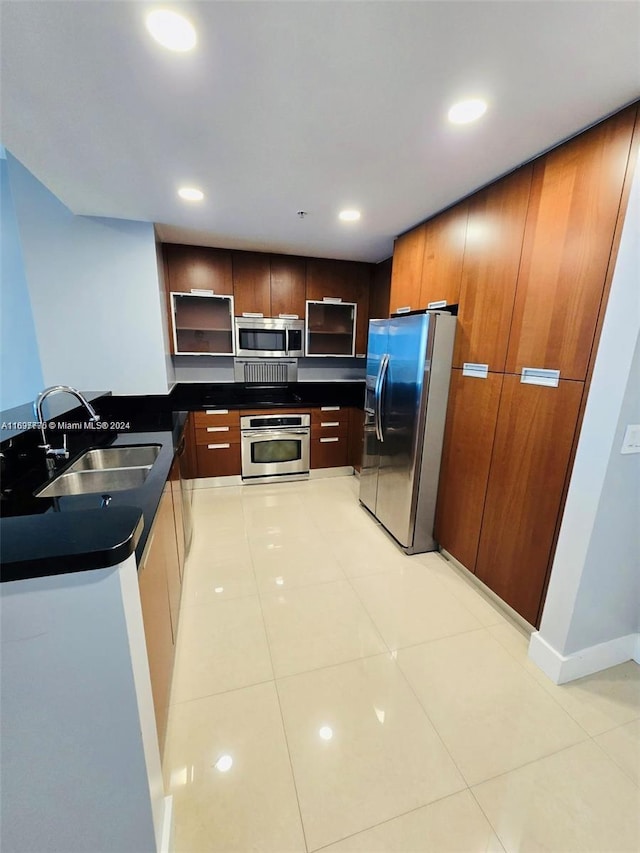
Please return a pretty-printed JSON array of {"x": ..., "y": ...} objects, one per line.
[
  {"x": 269, "y": 337},
  {"x": 275, "y": 447}
]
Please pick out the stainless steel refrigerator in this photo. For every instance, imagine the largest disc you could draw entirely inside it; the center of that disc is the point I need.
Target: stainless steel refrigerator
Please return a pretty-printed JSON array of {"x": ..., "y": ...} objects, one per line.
[{"x": 408, "y": 372}]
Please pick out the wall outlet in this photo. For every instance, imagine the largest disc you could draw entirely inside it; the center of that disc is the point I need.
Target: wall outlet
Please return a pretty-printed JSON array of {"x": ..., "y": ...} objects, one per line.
[{"x": 631, "y": 440}]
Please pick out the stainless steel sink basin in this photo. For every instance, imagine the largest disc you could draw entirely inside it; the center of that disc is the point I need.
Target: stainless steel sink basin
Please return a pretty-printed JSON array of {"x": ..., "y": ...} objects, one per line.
[
  {"x": 89, "y": 482},
  {"x": 103, "y": 458}
]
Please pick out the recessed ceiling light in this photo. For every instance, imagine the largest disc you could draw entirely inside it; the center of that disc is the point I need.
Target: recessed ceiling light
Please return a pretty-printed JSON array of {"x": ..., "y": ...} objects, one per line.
[
  {"x": 171, "y": 30},
  {"x": 190, "y": 194},
  {"x": 349, "y": 215},
  {"x": 466, "y": 111}
]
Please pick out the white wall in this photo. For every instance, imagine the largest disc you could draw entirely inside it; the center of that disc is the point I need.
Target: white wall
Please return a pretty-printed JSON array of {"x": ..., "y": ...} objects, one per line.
[
  {"x": 591, "y": 617},
  {"x": 94, "y": 292},
  {"x": 80, "y": 759}
]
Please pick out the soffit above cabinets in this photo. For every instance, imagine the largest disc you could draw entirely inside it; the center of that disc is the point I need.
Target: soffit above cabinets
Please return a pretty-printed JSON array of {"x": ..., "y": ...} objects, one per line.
[{"x": 288, "y": 106}]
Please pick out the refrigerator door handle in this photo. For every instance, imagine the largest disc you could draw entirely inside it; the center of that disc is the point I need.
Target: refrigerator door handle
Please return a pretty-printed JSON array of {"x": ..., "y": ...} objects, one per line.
[{"x": 384, "y": 364}]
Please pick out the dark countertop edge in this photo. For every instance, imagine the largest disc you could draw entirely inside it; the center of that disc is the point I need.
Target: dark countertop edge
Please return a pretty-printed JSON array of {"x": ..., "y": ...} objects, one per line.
[
  {"x": 129, "y": 534},
  {"x": 115, "y": 533}
]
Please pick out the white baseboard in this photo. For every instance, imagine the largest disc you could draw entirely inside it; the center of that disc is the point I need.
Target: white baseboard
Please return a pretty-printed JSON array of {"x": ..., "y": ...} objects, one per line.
[
  {"x": 216, "y": 482},
  {"x": 166, "y": 842},
  {"x": 562, "y": 668}
]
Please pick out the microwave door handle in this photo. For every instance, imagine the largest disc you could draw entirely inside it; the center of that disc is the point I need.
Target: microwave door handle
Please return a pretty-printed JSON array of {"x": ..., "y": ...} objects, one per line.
[{"x": 286, "y": 341}]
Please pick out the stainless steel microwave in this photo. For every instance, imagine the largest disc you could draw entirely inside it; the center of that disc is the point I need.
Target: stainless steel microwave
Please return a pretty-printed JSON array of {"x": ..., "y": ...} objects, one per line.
[{"x": 269, "y": 337}]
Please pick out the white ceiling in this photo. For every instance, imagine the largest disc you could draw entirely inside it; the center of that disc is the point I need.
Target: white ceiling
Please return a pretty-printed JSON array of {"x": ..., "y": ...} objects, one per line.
[{"x": 301, "y": 105}]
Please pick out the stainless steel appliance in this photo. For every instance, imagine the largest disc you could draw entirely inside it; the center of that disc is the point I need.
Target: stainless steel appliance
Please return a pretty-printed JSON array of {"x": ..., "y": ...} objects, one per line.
[
  {"x": 267, "y": 371},
  {"x": 269, "y": 337},
  {"x": 275, "y": 447},
  {"x": 408, "y": 371}
]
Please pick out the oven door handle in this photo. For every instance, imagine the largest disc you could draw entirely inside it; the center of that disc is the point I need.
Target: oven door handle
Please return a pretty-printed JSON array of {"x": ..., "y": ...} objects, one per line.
[{"x": 270, "y": 433}]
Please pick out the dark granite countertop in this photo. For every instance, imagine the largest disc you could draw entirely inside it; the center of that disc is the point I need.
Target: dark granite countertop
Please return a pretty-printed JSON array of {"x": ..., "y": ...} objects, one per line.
[{"x": 44, "y": 536}]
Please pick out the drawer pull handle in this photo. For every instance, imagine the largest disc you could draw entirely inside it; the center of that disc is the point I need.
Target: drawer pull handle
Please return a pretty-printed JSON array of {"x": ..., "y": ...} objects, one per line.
[
  {"x": 329, "y": 408},
  {"x": 218, "y": 429},
  {"x": 328, "y": 440},
  {"x": 440, "y": 303},
  {"x": 330, "y": 424},
  {"x": 479, "y": 371},
  {"x": 218, "y": 446},
  {"x": 217, "y": 412},
  {"x": 540, "y": 376},
  {"x": 404, "y": 310}
]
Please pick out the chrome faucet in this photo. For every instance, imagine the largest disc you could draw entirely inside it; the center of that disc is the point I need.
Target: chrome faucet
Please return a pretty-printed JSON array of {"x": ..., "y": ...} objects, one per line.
[{"x": 53, "y": 453}]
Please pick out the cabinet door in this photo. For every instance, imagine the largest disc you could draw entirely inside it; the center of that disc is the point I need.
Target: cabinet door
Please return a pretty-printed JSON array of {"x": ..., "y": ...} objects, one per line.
[
  {"x": 288, "y": 283},
  {"x": 154, "y": 598},
  {"x": 472, "y": 414},
  {"x": 330, "y": 329},
  {"x": 575, "y": 196},
  {"x": 406, "y": 270},
  {"x": 251, "y": 283},
  {"x": 176, "y": 494},
  {"x": 495, "y": 231},
  {"x": 380, "y": 291},
  {"x": 531, "y": 451},
  {"x": 198, "y": 267},
  {"x": 346, "y": 280},
  {"x": 443, "y": 255},
  {"x": 165, "y": 536},
  {"x": 202, "y": 324}
]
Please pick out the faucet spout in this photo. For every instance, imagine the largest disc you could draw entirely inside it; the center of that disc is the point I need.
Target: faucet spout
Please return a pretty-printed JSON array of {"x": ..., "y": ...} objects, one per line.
[{"x": 37, "y": 410}]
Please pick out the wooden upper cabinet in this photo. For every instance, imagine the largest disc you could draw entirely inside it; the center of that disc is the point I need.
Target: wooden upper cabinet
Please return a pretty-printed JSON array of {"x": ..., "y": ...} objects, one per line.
[
  {"x": 495, "y": 231},
  {"x": 575, "y": 198},
  {"x": 472, "y": 415},
  {"x": 288, "y": 281},
  {"x": 406, "y": 270},
  {"x": 531, "y": 453},
  {"x": 346, "y": 280},
  {"x": 443, "y": 255},
  {"x": 251, "y": 283},
  {"x": 198, "y": 267},
  {"x": 380, "y": 292}
]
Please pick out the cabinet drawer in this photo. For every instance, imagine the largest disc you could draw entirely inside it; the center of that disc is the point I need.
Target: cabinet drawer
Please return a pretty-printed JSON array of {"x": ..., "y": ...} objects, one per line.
[
  {"x": 218, "y": 459},
  {"x": 329, "y": 415},
  {"x": 217, "y": 417},
  {"x": 331, "y": 451},
  {"x": 217, "y": 434},
  {"x": 330, "y": 429}
]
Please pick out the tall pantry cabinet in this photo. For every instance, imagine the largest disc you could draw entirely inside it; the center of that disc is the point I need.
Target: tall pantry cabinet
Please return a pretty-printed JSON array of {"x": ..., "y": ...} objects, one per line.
[{"x": 539, "y": 251}]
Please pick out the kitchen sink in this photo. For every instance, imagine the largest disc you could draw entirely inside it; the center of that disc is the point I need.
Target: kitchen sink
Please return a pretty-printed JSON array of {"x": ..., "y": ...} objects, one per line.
[
  {"x": 88, "y": 482},
  {"x": 104, "y": 469},
  {"x": 103, "y": 458}
]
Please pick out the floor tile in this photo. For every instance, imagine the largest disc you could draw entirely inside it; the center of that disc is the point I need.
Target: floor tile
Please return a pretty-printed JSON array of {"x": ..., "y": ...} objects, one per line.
[
  {"x": 318, "y": 626},
  {"x": 221, "y": 646},
  {"x": 598, "y": 702},
  {"x": 490, "y": 714},
  {"x": 368, "y": 554},
  {"x": 266, "y": 520},
  {"x": 207, "y": 580},
  {"x": 623, "y": 746},
  {"x": 362, "y": 749},
  {"x": 464, "y": 590},
  {"x": 293, "y": 562},
  {"x": 452, "y": 825},
  {"x": 575, "y": 801},
  {"x": 230, "y": 776},
  {"x": 409, "y": 607}
]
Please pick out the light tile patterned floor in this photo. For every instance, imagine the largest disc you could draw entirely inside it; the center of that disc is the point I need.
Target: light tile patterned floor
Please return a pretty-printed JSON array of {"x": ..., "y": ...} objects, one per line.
[{"x": 330, "y": 692}]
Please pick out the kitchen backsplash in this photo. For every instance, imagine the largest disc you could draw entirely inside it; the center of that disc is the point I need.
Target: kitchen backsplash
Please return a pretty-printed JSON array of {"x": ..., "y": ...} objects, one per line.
[{"x": 220, "y": 369}]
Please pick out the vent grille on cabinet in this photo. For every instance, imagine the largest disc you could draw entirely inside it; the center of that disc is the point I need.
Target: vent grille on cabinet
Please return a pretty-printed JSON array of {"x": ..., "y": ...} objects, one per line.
[{"x": 266, "y": 372}]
